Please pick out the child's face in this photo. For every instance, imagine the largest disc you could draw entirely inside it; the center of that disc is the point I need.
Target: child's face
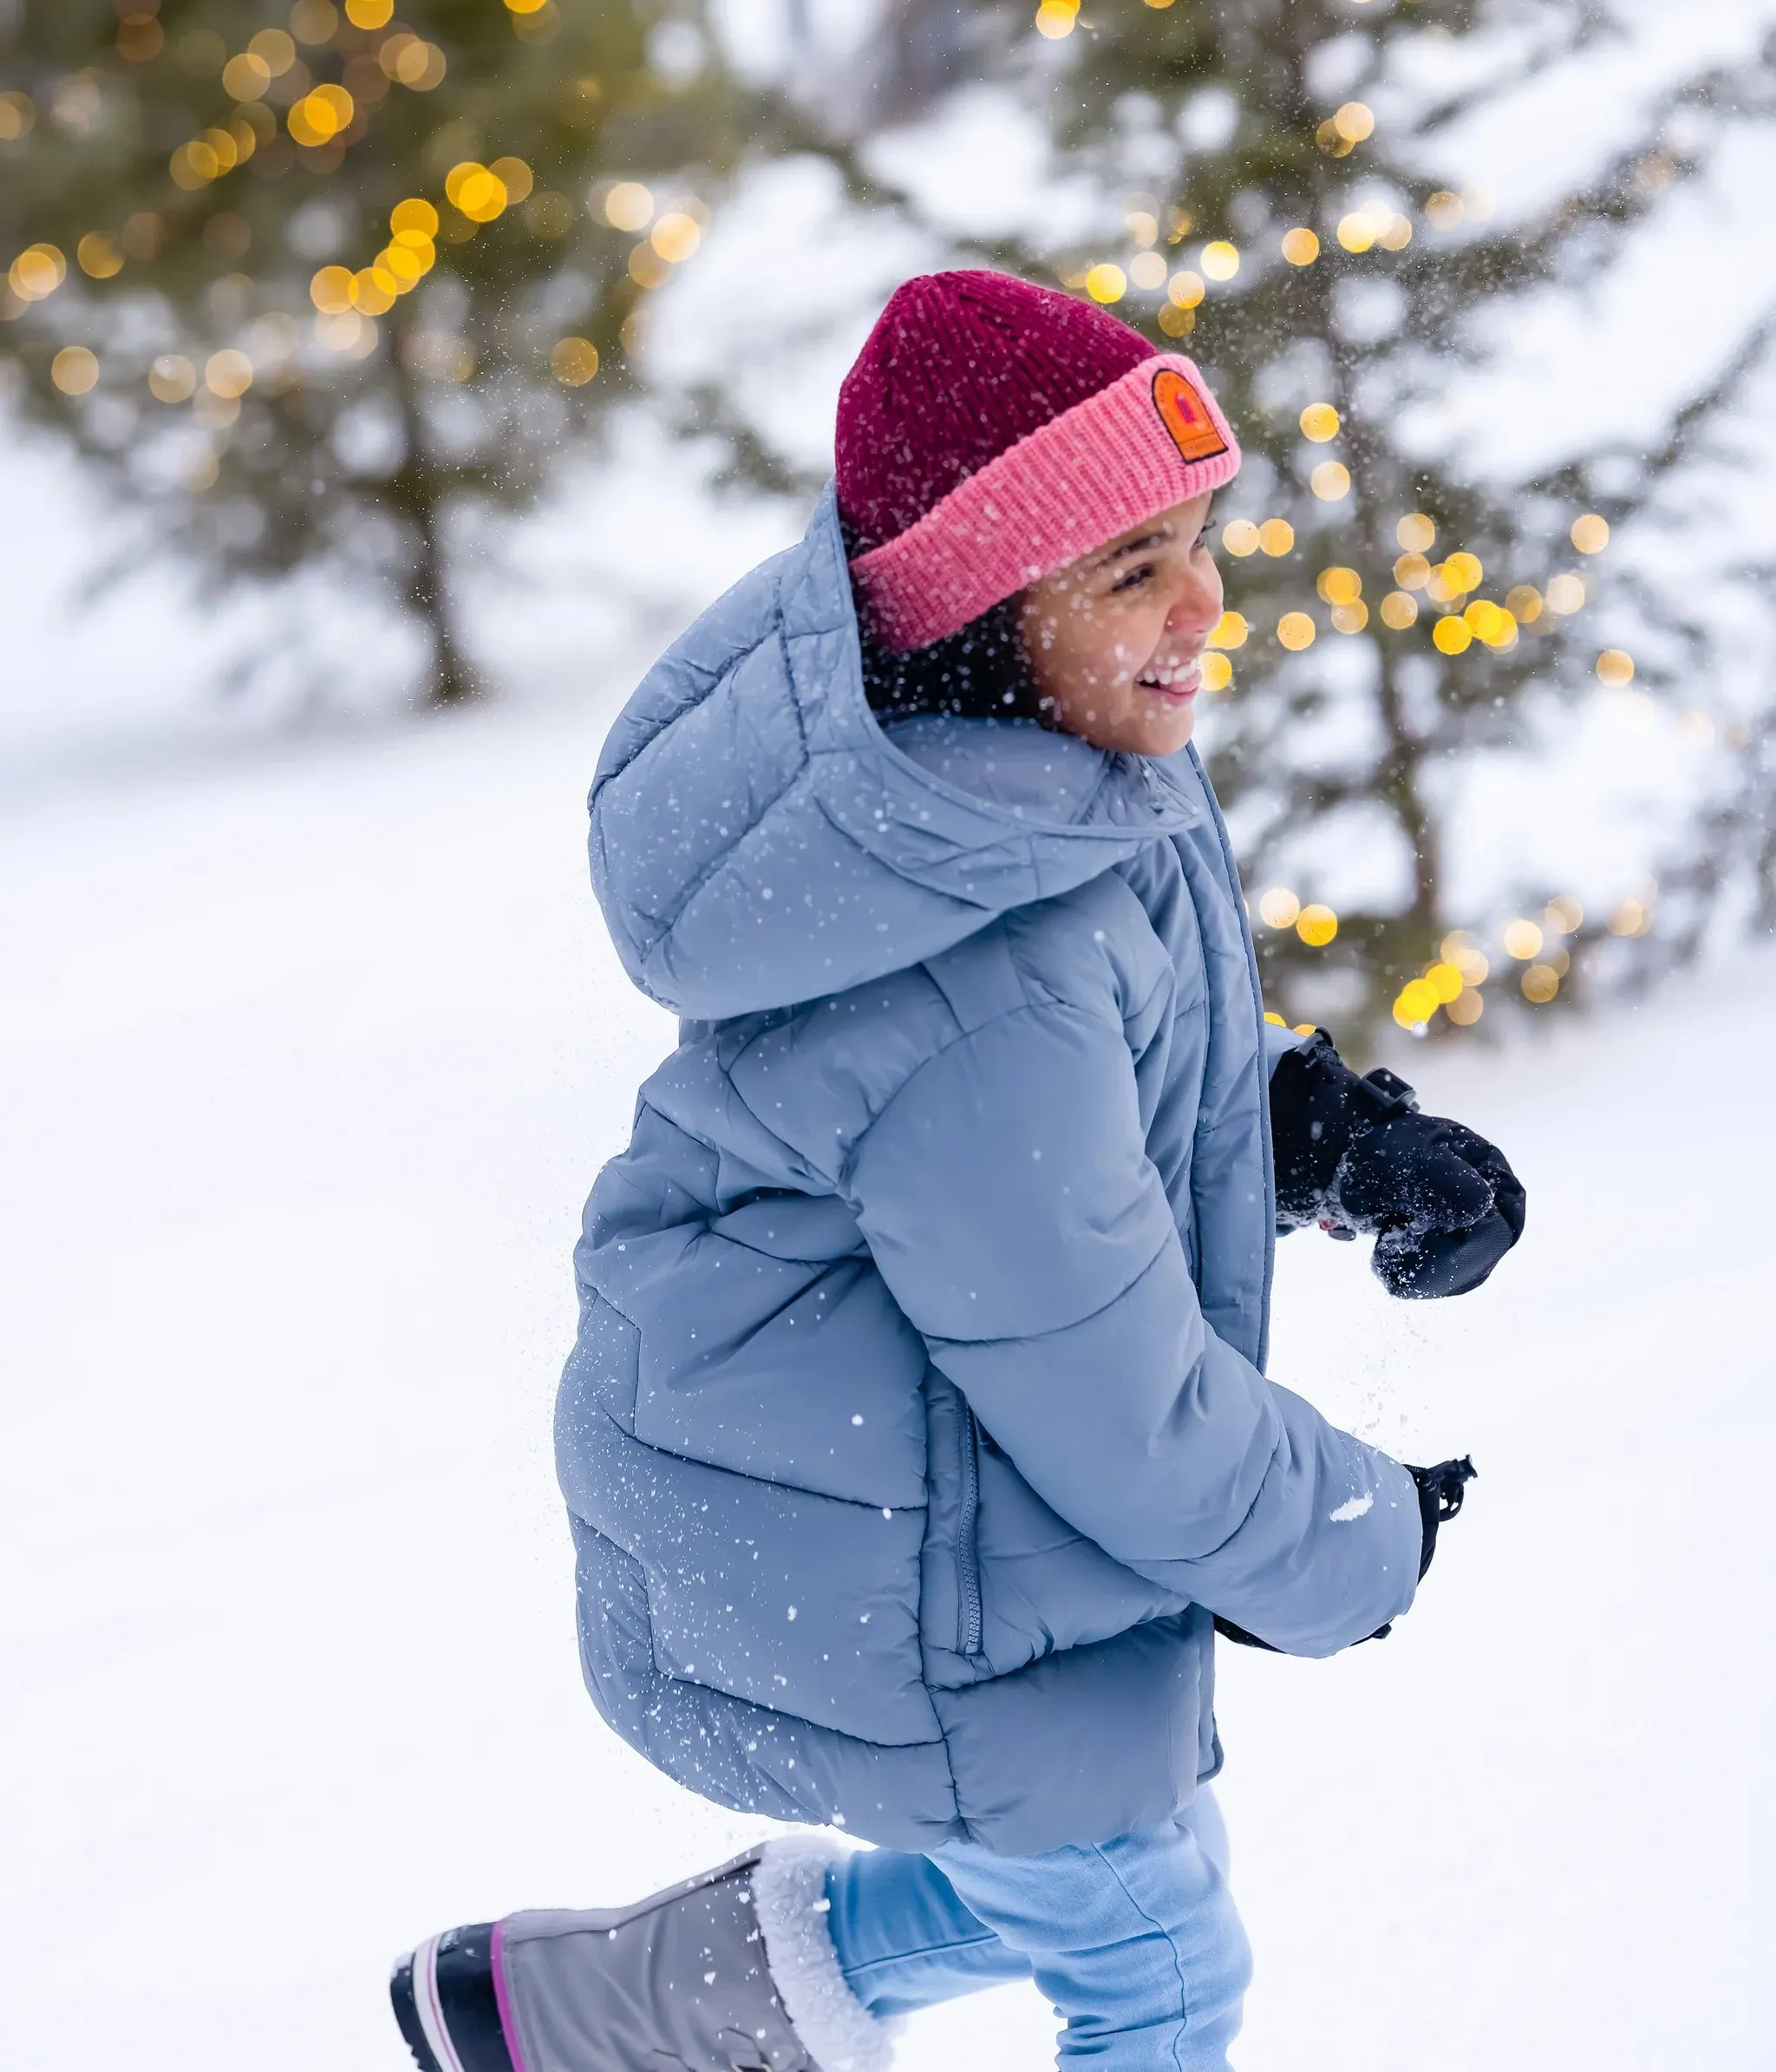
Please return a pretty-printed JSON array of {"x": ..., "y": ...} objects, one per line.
[{"x": 1115, "y": 638}]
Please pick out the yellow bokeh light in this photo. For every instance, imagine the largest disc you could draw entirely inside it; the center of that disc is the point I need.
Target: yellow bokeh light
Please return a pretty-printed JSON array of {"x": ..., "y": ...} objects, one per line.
[
  {"x": 1339, "y": 585},
  {"x": 1301, "y": 247},
  {"x": 1230, "y": 631},
  {"x": 1463, "y": 573},
  {"x": 1445, "y": 981},
  {"x": 1217, "y": 671},
  {"x": 1630, "y": 918},
  {"x": 1591, "y": 534},
  {"x": 1415, "y": 533},
  {"x": 413, "y": 216},
  {"x": 1240, "y": 538},
  {"x": 374, "y": 289},
  {"x": 1319, "y": 423},
  {"x": 1459, "y": 949},
  {"x": 193, "y": 165},
  {"x": 1278, "y": 908},
  {"x": 276, "y": 51},
  {"x": 1412, "y": 571},
  {"x": 172, "y": 378},
  {"x": 1415, "y": 1005},
  {"x": 1186, "y": 289},
  {"x": 1176, "y": 322},
  {"x": 1355, "y": 121},
  {"x": 1106, "y": 282},
  {"x": 1400, "y": 609},
  {"x": 573, "y": 360},
  {"x": 676, "y": 236},
  {"x": 1521, "y": 939},
  {"x": 406, "y": 262},
  {"x": 228, "y": 373},
  {"x": 1330, "y": 481},
  {"x": 629, "y": 206},
  {"x": 75, "y": 370},
  {"x": 1524, "y": 602},
  {"x": 1452, "y": 636},
  {"x": 98, "y": 255},
  {"x": 1615, "y": 668},
  {"x": 1490, "y": 622},
  {"x": 1220, "y": 260},
  {"x": 1147, "y": 270},
  {"x": 1317, "y": 926},
  {"x": 246, "y": 77},
  {"x": 1055, "y": 18},
  {"x": 1540, "y": 983},
  {"x": 525, "y": 7},
  {"x": 515, "y": 177},
  {"x": 1356, "y": 232},
  {"x": 1565, "y": 595},
  {"x": 38, "y": 270},
  {"x": 1277, "y": 537},
  {"x": 369, "y": 14},
  {"x": 646, "y": 268},
  {"x": 1565, "y": 915},
  {"x": 1466, "y": 1008},
  {"x": 1296, "y": 631},
  {"x": 1350, "y": 619},
  {"x": 330, "y": 289},
  {"x": 1444, "y": 211}
]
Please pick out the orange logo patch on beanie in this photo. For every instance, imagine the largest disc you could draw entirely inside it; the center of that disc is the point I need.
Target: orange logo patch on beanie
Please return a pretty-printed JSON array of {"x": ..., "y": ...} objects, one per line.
[{"x": 1185, "y": 415}]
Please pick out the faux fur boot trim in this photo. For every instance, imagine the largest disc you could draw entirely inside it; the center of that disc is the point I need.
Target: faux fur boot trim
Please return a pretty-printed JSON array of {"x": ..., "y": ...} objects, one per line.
[{"x": 789, "y": 1892}]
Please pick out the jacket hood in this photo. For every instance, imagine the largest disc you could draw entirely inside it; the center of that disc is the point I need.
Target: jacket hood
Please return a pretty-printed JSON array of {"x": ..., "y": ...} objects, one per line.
[{"x": 758, "y": 840}]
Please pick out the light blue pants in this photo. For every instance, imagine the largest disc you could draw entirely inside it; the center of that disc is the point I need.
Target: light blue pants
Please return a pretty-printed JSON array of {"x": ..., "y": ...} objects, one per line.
[{"x": 1135, "y": 1942}]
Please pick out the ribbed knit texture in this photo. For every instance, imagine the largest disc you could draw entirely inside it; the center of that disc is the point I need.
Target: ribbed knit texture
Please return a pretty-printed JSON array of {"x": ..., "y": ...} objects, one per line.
[
  {"x": 959, "y": 367},
  {"x": 990, "y": 433}
]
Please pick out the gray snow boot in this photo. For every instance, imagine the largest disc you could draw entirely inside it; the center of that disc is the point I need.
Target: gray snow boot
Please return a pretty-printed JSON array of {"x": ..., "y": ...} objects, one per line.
[{"x": 732, "y": 1971}]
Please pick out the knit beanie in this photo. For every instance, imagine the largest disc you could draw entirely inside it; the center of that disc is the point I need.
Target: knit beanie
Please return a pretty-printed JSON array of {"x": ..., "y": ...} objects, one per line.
[{"x": 991, "y": 431}]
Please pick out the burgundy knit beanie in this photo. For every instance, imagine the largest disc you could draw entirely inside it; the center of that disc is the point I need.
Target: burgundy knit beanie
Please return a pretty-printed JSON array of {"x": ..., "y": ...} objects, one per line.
[{"x": 991, "y": 431}]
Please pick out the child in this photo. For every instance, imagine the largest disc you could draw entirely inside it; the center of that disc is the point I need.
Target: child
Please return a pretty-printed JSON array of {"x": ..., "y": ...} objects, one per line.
[{"x": 916, "y": 1439}]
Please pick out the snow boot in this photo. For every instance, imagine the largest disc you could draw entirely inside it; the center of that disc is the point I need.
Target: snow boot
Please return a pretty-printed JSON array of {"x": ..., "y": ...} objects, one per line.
[{"x": 731, "y": 1971}]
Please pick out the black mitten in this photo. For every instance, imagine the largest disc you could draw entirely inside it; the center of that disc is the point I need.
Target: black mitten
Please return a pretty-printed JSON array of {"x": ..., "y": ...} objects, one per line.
[
  {"x": 1441, "y": 1491},
  {"x": 1355, "y": 1154}
]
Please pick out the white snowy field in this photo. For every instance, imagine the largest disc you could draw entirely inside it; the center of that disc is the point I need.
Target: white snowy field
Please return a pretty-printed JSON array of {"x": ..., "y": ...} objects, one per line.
[{"x": 308, "y": 1056}]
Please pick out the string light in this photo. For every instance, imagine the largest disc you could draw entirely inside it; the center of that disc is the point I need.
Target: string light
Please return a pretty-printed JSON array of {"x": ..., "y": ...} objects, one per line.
[
  {"x": 1317, "y": 926},
  {"x": 1301, "y": 247},
  {"x": 572, "y": 361}
]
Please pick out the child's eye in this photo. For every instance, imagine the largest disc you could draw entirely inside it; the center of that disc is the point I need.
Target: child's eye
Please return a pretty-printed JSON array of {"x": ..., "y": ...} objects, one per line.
[
  {"x": 1133, "y": 579},
  {"x": 1207, "y": 534}
]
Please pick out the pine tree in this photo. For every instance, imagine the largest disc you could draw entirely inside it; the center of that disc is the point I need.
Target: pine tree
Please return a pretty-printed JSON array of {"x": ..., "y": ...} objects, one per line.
[
  {"x": 303, "y": 281},
  {"x": 1391, "y": 618}
]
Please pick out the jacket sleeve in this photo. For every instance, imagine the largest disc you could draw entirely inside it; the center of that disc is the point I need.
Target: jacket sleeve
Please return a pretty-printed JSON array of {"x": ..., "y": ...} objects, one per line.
[{"x": 1007, "y": 1198}]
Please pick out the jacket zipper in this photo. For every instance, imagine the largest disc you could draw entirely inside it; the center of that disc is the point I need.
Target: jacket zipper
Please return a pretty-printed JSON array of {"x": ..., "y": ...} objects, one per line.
[{"x": 967, "y": 1556}]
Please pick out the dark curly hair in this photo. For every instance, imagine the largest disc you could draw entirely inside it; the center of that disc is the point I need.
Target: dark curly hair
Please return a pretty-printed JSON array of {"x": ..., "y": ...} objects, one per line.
[{"x": 979, "y": 672}]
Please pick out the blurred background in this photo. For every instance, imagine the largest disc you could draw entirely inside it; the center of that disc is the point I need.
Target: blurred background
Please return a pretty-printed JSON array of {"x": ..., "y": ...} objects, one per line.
[{"x": 379, "y": 390}]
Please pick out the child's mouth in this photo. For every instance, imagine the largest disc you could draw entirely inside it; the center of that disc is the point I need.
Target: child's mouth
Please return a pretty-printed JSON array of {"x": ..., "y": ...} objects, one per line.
[{"x": 1180, "y": 686}]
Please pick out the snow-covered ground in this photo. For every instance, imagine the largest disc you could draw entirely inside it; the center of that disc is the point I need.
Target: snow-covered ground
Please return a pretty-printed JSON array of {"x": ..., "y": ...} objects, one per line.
[{"x": 308, "y": 1056}]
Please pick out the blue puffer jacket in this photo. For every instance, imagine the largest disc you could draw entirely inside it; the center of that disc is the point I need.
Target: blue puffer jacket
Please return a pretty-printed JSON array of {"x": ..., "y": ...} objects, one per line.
[{"x": 917, "y": 1424}]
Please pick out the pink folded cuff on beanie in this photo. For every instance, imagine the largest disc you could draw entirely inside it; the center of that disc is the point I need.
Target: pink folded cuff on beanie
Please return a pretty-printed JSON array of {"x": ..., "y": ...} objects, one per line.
[{"x": 1154, "y": 437}]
